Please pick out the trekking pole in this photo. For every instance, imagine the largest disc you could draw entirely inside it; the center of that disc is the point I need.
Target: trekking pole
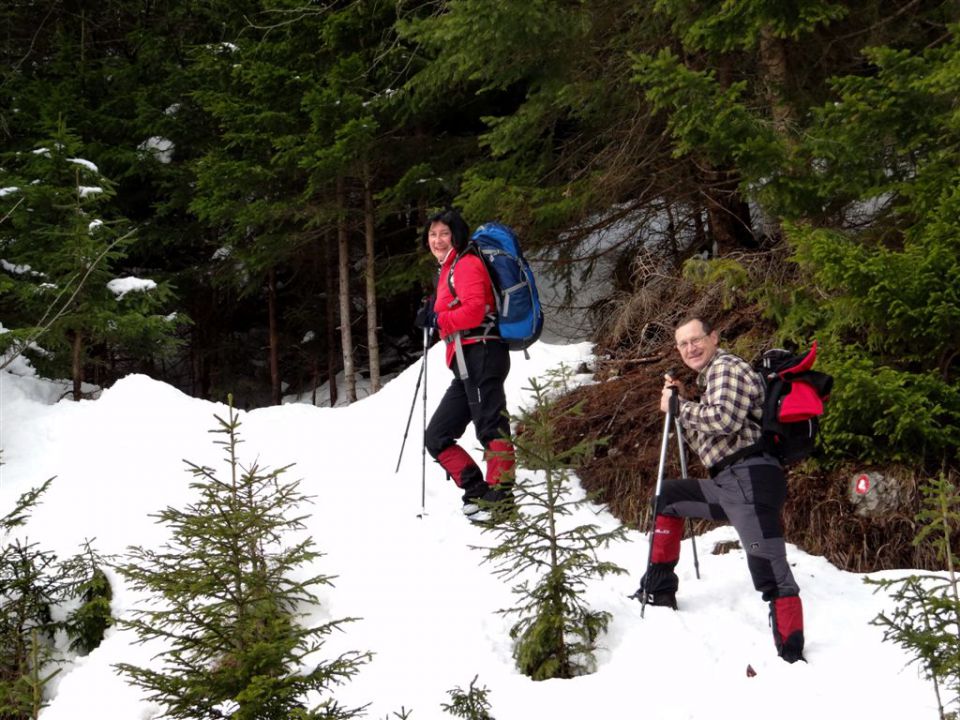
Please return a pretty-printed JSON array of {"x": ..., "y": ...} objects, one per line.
[
  {"x": 416, "y": 391},
  {"x": 671, "y": 409},
  {"x": 683, "y": 474},
  {"x": 423, "y": 446}
]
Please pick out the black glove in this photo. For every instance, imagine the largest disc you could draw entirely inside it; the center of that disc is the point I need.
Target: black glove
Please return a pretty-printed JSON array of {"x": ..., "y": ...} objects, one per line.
[{"x": 426, "y": 315}]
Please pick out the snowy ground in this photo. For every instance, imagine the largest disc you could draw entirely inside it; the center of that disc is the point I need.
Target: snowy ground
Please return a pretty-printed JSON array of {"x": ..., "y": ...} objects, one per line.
[{"x": 427, "y": 604}]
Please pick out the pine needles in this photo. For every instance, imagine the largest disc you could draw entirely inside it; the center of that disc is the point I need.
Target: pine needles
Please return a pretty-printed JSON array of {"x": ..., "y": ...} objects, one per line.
[{"x": 550, "y": 557}]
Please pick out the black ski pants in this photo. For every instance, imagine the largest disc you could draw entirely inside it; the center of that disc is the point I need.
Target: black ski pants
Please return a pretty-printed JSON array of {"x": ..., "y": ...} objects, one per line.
[
  {"x": 479, "y": 398},
  {"x": 750, "y": 495}
]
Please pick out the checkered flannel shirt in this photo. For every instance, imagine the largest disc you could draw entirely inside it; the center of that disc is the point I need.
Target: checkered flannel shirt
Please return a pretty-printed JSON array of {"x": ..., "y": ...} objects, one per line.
[{"x": 731, "y": 403}]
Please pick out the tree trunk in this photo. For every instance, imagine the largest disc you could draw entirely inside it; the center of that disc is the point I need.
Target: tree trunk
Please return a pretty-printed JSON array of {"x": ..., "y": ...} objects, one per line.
[
  {"x": 319, "y": 270},
  {"x": 728, "y": 214},
  {"x": 369, "y": 223},
  {"x": 76, "y": 356},
  {"x": 331, "y": 315},
  {"x": 775, "y": 78},
  {"x": 276, "y": 390},
  {"x": 346, "y": 333},
  {"x": 775, "y": 75}
]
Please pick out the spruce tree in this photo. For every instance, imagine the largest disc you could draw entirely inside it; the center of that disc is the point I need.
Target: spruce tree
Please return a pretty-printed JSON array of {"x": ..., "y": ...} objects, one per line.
[
  {"x": 33, "y": 583},
  {"x": 63, "y": 245},
  {"x": 29, "y": 584},
  {"x": 470, "y": 704},
  {"x": 880, "y": 267},
  {"x": 925, "y": 620},
  {"x": 550, "y": 556},
  {"x": 88, "y": 621},
  {"x": 227, "y": 603}
]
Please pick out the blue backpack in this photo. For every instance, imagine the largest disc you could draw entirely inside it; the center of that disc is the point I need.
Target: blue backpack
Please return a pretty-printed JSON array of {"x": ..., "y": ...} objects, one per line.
[{"x": 519, "y": 318}]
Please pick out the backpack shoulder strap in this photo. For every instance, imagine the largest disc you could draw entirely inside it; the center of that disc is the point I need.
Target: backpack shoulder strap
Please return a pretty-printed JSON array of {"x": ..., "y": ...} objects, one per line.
[{"x": 471, "y": 247}]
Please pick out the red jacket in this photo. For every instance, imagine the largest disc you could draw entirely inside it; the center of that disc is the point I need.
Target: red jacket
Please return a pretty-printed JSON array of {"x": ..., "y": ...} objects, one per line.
[{"x": 473, "y": 301}]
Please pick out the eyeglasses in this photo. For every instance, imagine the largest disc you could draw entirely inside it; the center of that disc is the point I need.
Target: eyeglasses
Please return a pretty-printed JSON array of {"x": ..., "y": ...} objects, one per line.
[{"x": 692, "y": 342}]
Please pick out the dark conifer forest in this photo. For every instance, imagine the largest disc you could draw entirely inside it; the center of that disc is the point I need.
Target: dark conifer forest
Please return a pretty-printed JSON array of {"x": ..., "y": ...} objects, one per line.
[{"x": 227, "y": 195}]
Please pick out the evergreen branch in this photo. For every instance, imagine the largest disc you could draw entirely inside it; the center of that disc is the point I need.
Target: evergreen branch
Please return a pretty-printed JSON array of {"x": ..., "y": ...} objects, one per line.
[
  {"x": 21, "y": 509},
  {"x": 44, "y": 325}
]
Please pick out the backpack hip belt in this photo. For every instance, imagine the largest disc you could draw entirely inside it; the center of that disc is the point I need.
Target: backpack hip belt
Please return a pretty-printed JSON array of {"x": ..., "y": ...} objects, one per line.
[
  {"x": 481, "y": 333},
  {"x": 742, "y": 454}
]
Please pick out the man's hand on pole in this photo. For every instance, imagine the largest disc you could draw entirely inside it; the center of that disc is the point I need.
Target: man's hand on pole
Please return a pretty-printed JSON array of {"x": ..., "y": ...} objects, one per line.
[{"x": 670, "y": 386}]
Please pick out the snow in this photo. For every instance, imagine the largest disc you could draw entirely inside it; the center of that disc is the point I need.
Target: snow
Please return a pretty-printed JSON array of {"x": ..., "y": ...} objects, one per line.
[
  {"x": 15, "y": 269},
  {"x": 160, "y": 147},
  {"x": 4, "y": 191},
  {"x": 425, "y": 599},
  {"x": 122, "y": 286},
  {"x": 84, "y": 163},
  {"x": 88, "y": 190}
]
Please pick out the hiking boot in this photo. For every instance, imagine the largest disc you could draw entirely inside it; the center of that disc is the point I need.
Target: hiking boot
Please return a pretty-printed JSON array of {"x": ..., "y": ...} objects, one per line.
[
  {"x": 473, "y": 493},
  {"x": 496, "y": 505},
  {"x": 660, "y": 584},
  {"x": 791, "y": 655},
  {"x": 499, "y": 498},
  {"x": 660, "y": 599}
]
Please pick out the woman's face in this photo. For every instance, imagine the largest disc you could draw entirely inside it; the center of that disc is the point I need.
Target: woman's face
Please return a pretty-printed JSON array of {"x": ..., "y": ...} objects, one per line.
[{"x": 440, "y": 240}]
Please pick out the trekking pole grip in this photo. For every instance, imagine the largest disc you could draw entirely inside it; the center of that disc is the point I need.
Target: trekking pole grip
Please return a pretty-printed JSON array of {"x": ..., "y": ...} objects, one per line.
[{"x": 674, "y": 406}]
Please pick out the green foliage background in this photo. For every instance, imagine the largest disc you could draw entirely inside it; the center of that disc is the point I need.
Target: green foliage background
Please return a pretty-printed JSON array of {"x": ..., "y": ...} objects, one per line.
[{"x": 823, "y": 131}]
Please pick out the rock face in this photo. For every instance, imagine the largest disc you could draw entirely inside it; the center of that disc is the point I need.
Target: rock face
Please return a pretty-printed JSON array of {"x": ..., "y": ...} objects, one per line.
[{"x": 873, "y": 493}]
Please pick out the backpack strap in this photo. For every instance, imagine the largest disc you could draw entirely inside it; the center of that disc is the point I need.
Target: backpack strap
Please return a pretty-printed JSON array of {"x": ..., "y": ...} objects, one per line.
[
  {"x": 458, "y": 352},
  {"x": 758, "y": 448},
  {"x": 483, "y": 332}
]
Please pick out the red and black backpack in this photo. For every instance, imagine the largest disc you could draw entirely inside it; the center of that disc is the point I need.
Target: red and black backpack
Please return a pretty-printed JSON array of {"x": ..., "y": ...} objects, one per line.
[{"x": 795, "y": 398}]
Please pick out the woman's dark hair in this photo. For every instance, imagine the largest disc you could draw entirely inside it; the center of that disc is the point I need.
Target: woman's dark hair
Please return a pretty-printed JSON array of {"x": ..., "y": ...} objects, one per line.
[{"x": 458, "y": 228}]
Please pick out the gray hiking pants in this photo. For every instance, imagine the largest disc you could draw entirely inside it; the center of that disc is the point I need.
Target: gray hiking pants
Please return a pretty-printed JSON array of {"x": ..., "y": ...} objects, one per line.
[{"x": 750, "y": 494}]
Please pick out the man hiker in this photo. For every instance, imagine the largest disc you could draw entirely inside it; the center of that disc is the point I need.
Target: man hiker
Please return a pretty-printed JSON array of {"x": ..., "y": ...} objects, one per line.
[
  {"x": 747, "y": 485},
  {"x": 476, "y": 392}
]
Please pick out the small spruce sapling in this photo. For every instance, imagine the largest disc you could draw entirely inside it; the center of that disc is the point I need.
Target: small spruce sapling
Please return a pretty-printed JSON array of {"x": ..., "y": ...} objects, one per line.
[
  {"x": 551, "y": 557},
  {"x": 30, "y": 583},
  {"x": 86, "y": 624},
  {"x": 34, "y": 584},
  {"x": 227, "y": 602},
  {"x": 470, "y": 705},
  {"x": 926, "y": 617}
]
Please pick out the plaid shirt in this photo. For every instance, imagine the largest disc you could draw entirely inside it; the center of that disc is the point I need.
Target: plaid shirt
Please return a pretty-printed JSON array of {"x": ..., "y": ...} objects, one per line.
[{"x": 721, "y": 423}]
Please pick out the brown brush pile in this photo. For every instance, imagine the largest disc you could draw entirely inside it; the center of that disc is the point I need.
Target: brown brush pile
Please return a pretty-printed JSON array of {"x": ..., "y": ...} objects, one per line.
[{"x": 623, "y": 407}]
